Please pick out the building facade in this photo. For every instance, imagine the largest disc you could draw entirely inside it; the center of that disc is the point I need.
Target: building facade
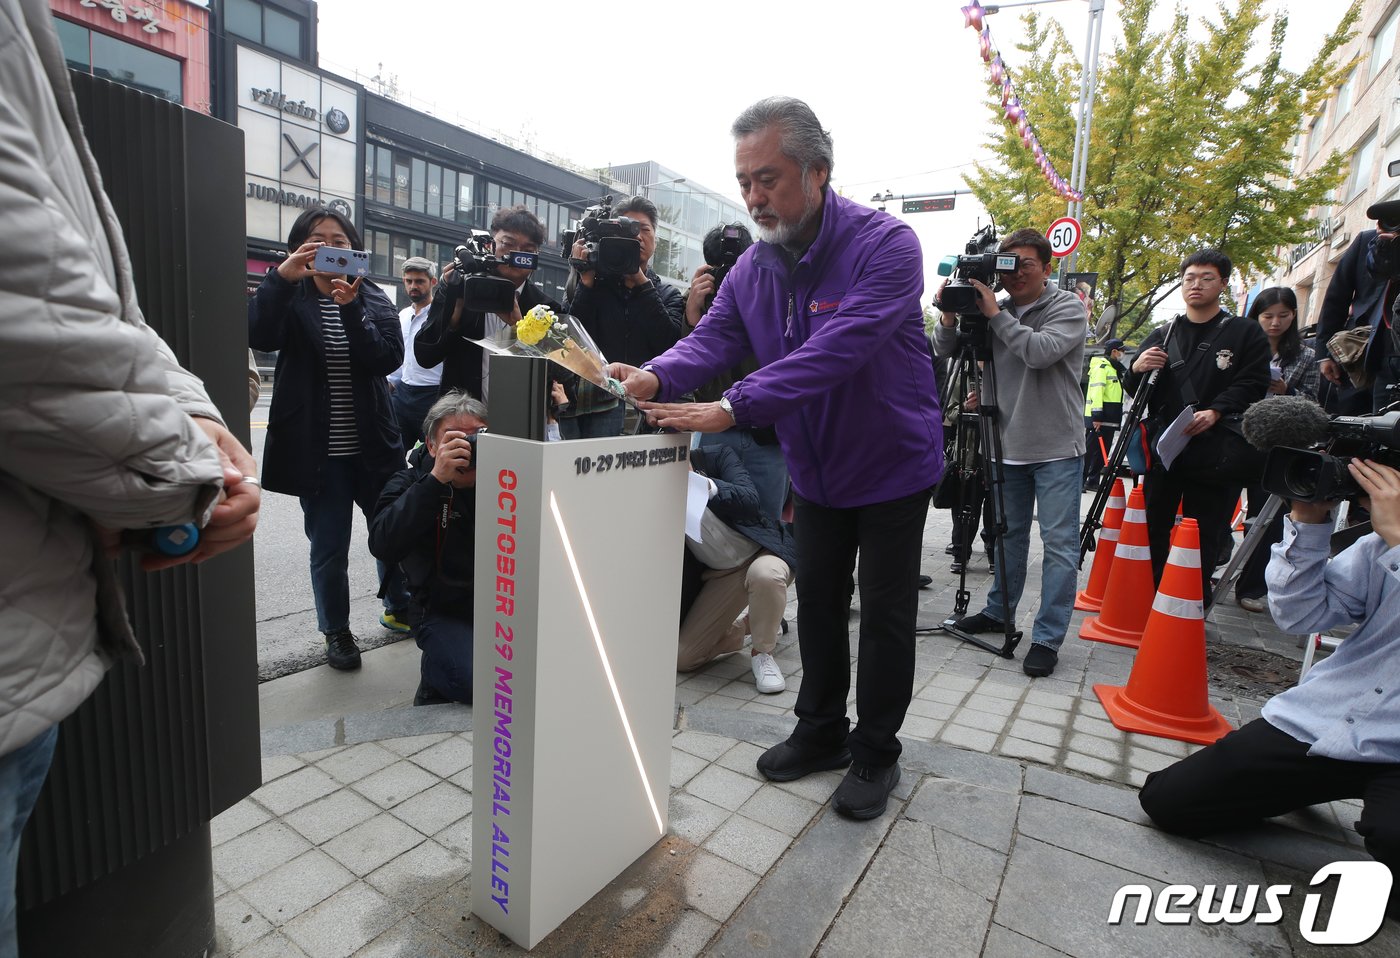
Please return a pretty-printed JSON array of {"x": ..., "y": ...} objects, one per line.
[
  {"x": 1361, "y": 120},
  {"x": 160, "y": 47},
  {"x": 687, "y": 210}
]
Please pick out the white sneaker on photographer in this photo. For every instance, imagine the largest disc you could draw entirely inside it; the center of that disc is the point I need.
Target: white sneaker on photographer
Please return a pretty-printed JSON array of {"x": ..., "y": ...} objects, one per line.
[{"x": 768, "y": 678}]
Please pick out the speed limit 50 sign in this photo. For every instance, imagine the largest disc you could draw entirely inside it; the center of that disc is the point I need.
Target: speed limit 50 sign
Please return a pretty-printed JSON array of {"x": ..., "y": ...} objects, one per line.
[{"x": 1063, "y": 235}]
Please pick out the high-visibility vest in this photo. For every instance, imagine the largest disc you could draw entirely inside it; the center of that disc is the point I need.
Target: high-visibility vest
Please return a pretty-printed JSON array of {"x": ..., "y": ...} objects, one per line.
[{"x": 1103, "y": 400}]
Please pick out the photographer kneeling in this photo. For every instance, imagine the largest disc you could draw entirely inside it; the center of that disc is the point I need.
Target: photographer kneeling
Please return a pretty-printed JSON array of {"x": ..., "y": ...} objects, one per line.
[
  {"x": 1336, "y": 734},
  {"x": 426, "y": 522}
]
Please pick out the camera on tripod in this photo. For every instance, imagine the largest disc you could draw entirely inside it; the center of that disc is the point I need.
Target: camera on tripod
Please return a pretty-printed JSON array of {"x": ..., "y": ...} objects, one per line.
[
  {"x": 981, "y": 262},
  {"x": 611, "y": 247},
  {"x": 483, "y": 290},
  {"x": 1321, "y": 475},
  {"x": 722, "y": 248}
]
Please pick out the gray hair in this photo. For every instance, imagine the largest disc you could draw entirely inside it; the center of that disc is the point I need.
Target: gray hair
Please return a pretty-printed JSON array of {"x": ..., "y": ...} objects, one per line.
[
  {"x": 802, "y": 138},
  {"x": 417, "y": 264},
  {"x": 452, "y": 403}
]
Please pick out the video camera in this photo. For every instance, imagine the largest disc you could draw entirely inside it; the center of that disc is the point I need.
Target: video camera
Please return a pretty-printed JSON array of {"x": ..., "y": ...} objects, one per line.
[
  {"x": 980, "y": 262},
  {"x": 483, "y": 291},
  {"x": 610, "y": 242},
  {"x": 1321, "y": 475},
  {"x": 722, "y": 248}
]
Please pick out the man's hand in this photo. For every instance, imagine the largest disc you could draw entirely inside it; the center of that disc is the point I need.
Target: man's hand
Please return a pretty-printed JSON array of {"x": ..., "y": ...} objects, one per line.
[
  {"x": 971, "y": 402},
  {"x": 687, "y": 416},
  {"x": 986, "y": 299},
  {"x": 453, "y": 458},
  {"x": 1311, "y": 513},
  {"x": 1154, "y": 358},
  {"x": 512, "y": 317},
  {"x": 580, "y": 251},
  {"x": 1203, "y": 420},
  {"x": 236, "y": 516},
  {"x": 344, "y": 293},
  {"x": 702, "y": 287},
  {"x": 1330, "y": 371},
  {"x": 639, "y": 383},
  {"x": 297, "y": 266},
  {"x": 1382, "y": 484},
  {"x": 944, "y": 317},
  {"x": 639, "y": 278}
]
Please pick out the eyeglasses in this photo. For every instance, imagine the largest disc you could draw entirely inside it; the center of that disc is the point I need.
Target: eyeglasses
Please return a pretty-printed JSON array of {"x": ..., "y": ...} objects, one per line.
[
  {"x": 1192, "y": 282},
  {"x": 1028, "y": 265}
]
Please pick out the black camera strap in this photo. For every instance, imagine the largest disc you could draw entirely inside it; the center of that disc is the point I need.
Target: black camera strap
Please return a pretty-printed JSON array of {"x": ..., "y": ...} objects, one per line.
[{"x": 1184, "y": 367}]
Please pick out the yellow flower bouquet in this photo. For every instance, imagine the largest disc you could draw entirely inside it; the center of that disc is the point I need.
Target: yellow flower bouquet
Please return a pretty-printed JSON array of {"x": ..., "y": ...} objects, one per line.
[{"x": 561, "y": 339}]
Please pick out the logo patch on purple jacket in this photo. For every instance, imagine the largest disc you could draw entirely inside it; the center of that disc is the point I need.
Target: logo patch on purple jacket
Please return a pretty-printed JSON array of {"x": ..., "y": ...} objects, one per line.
[{"x": 823, "y": 305}]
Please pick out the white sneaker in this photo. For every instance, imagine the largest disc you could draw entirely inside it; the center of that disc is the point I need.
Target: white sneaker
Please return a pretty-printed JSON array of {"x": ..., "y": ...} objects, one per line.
[{"x": 767, "y": 676}]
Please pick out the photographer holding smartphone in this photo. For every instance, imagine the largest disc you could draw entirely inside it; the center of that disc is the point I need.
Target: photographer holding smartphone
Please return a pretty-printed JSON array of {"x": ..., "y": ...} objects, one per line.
[{"x": 331, "y": 436}]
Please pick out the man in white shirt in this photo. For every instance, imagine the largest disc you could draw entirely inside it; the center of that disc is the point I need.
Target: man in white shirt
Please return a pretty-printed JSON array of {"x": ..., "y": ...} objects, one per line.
[{"x": 415, "y": 388}]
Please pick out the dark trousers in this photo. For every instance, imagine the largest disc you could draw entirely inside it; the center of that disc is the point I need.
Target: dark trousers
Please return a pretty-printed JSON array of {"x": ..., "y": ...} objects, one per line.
[
  {"x": 1250, "y": 584},
  {"x": 446, "y": 668},
  {"x": 411, "y": 405},
  {"x": 1210, "y": 505},
  {"x": 888, "y": 536},
  {"x": 1258, "y": 772}
]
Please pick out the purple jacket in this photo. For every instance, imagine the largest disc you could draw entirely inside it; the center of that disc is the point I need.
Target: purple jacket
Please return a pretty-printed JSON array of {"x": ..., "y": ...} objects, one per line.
[{"x": 846, "y": 371}]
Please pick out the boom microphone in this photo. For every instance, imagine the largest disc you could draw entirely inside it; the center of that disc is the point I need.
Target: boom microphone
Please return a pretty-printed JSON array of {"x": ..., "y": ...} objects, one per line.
[{"x": 1294, "y": 421}]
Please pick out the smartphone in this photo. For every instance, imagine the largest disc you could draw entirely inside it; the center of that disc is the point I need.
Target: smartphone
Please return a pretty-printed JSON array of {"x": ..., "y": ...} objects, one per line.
[{"x": 346, "y": 262}]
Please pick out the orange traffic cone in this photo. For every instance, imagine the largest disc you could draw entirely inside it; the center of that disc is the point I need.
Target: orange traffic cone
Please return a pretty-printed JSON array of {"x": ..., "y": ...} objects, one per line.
[
  {"x": 1166, "y": 691},
  {"x": 1237, "y": 521},
  {"x": 1090, "y": 598},
  {"x": 1128, "y": 594}
]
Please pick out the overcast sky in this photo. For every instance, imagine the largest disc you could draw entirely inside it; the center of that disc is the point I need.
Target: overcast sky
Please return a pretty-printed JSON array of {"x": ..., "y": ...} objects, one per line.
[{"x": 900, "y": 86}]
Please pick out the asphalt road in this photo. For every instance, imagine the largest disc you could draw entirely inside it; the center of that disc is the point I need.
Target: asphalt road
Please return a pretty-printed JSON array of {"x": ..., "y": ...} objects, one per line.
[{"x": 288, "y": 640}]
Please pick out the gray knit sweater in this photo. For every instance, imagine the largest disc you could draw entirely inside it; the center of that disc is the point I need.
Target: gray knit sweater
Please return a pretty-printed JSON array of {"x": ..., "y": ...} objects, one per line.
[{"x": 1038, "y": 360}]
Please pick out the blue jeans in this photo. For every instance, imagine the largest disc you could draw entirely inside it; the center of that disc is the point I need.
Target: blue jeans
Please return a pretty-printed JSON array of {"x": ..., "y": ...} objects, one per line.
[
  {"x": 326, "y": 517},
  {"x": 22, "y": 775},
  {"x": 446, "y": 668},
  {"x": 765, "y": 464},
  {"x": 1052, "y": 491},
  {"x": 594, "y": 425},
  {"x": 411, "y": 405}
]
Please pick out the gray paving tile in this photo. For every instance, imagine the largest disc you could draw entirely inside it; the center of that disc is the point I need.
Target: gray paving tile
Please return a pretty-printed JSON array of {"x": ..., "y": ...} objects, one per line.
[
  {"x": 762, "y": 708},
  {"x": 818, "y": 787},
  {"x": 999, "y": 687},
  {"x": 290, "y": 889},
  {"x": 716, "y": 886},
  {"x": 1099, "y": 727},
  {"x": 275, "y": 945},
  {"x": 1111, "y": 800},
  {"x": 1089, "y": 765},
  {"x": 970, "y": 738},
  {"x": 943, "y": 694},
  {"x": 432, "y": 810},
  {"x": 1056, "y": 718},
  {"x": 275, "y": 766},
  {"x": 397, "y": 783},
  {"x": 237, "y": 924},
  {"x": 985, "y": 721},
  {"x": 722, "y": 787},
  {"x": 1076, "y": 924},
  {"x": 354, "y": 763},
  {"x": 412, "y": 744},
  {"x": 982, "y": 815},
  {"x": 457, "y": 838},
  {"x": 295, "y": 790},
  {"x": 1052, "y": 700},
  {"x": 1047, "y": 735},
  {"x": 953, "y": 857},
  {"x": 314, "y": 756},
  {"x": 1148, "y": 761},
  {"x": 689, "y": 936},
  {"x": 1109, "y": 750},
  {"x": 684, "y": 767},
  {"x": 1384, "y": 944},
  {"x": 786, "y": 812},
  {"x": 1032, "y": 751},
  {"x": 916, "y": 726},
  {"x": 256, "y": 852},
  {"x": 410, "y": 938},
  {"x": 742, "y": 758},
  {"x": 370, "y": 844},
  {"x": 929, "y": 709},
  {"x": 342, "y": 924},
  {"x": 748, "y": 844},
  {"x": 708, "y": 747},
  {"x": 990, "y": 771},
  {"x": 1271, "y": 842},
  {"x": 327, "y": 817},
  {"x": 236, "y": 820},
  {"x": 420, "y": 873},
  {"x": 1005, "y": 943},
  {"x": 695, "y": 819}
]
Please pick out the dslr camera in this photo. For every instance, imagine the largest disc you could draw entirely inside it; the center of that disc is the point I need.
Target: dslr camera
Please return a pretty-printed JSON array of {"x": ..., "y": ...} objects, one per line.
[
  {"x": 611, "y": 247},
  {"x": 1320, "y": 474},
  {"x": 483, "y": 290},
  {"x": 722, "y": 248}
]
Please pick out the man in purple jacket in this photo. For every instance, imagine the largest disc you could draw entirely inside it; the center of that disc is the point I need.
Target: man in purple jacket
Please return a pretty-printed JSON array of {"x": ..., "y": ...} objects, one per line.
[{"x": 828, "y": 302}]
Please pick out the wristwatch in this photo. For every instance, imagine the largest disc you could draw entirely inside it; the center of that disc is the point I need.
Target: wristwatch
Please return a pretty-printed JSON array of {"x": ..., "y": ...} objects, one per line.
[{"x": 728, "y": 407}]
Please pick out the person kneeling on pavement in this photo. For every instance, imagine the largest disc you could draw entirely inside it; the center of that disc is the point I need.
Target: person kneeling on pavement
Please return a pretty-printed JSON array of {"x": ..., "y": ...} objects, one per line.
[
  {"x": 1336, "y": 734},
  {"x": 426, "y": 522},
  {"x": 743, "y": 558}
]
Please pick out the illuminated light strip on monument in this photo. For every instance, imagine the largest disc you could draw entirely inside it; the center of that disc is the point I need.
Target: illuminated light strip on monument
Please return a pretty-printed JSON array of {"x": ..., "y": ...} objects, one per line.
[
  {"x": 603, "y": 657},
  {"x": 974, "y": 17}
]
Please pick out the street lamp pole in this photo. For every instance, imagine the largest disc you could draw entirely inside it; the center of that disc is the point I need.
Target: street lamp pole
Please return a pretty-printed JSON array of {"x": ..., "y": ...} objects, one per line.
[{"x": 1088, "y": 86}]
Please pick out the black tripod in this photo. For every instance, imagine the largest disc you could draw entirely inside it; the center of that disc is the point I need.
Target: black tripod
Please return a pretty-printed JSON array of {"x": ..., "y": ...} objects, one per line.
[{"x": 974, "y": 460}]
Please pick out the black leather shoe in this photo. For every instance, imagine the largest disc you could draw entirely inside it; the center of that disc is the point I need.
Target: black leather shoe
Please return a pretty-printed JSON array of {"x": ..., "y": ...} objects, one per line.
[
  {"x": 427, "y": 695},
  {"x": 925, "y": 581},
  {"x": 865, "y": 791},
  {"x": 958, "y": 567},
  {"x": 341, "y": 650},
  {"x": 978, "y": 622},
  {"x": 786, "y": 762},
  {"x": 1040, "y": 661}
]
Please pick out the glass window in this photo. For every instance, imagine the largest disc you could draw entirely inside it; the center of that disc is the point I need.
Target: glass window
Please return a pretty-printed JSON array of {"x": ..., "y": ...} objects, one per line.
[
  {"x": 467, "y": 211},
  {"x": 1383, "y": 45},
  {"x": 1361, "y": 163},
  {"x": 1344, "y": 96},
  {"x": 398, "y": 252},
  {"x": 369, "y": 170},
  {"x": 434, "y": 190},
  {"x": 244, "y": 18},
  {"x": 282, "y": 32},
  {"x": 75, "y": 41},
  {"x": 378, "y": 243},
  {"x": 384, "y": 176},
  {"x": 493, "y": 197},
  {"x": 1314, "y": 136},
  {"x": 401, "y": 179},
  {"x": 419, "y": 183},
  {"x": 137, "y": 67},
  {"x": 417, "y": 247}
]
